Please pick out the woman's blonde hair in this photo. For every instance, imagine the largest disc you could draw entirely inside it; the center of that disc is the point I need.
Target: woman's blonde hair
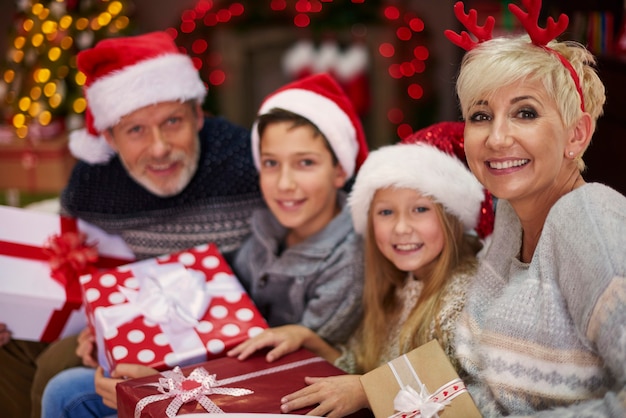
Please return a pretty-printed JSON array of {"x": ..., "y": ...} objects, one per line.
[
  {"x": 383, "y": 278},
  {"x": 502, "y": 61}
]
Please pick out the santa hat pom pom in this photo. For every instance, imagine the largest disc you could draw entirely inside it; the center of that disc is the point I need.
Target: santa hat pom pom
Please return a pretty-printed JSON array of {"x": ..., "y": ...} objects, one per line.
[{"x": 89, "y": 148}]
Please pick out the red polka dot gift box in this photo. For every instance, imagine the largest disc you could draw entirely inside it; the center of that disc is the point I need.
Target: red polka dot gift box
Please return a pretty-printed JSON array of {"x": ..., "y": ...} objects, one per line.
[{"x": 169, "y": 311}]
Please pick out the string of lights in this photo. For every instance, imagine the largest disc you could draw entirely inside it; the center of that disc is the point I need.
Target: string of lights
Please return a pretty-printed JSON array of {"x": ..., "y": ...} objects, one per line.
[
  {"x": 305, "y": 14},
  {"x": 40, "y": 84}
]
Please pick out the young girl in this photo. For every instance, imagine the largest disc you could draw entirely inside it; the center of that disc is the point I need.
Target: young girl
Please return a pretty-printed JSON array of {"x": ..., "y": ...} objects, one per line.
[{"x": 416, "y": 206}]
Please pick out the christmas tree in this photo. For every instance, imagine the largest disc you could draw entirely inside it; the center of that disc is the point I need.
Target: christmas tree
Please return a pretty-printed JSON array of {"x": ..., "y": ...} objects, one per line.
[{"x": 40, "y": 86}]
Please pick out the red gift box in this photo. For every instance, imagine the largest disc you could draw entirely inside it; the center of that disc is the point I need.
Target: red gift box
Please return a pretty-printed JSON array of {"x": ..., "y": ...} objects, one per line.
[
  {"x": 42, "y": 256},
  {"x": 223, "y": 385},
  {"x": 35, "y": 165},
  {"x": 174, "y": 310}
]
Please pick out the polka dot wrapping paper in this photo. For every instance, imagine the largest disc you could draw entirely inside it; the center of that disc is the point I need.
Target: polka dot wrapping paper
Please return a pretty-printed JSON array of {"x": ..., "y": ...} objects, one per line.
[{"x": 173, "y": 310}]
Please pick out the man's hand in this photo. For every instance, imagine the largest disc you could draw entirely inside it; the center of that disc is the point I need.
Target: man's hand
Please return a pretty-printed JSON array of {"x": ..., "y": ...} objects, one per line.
[
  {"x": 86, "y": 348},
  {"x": 5, "y": 334},
  {"x": 335, "y": 396},
  {"x": 105, "y": 386}
]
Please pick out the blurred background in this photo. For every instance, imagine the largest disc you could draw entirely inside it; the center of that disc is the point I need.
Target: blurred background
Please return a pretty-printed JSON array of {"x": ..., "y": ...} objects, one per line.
[{"x": 390, "y": 56}]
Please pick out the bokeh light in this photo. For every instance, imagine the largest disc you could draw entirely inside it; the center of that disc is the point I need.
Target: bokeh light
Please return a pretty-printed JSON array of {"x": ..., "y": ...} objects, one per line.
[{"x": 207, "y": 14}]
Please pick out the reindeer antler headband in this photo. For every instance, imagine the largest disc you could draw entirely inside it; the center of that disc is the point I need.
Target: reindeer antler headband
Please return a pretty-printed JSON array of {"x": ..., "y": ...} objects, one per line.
[{"x": 530, "y": 20}]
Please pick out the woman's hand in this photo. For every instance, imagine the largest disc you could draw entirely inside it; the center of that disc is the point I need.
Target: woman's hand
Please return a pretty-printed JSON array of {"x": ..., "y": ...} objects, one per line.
[
  {"x": 86, "y": 348},
  {"x": 105, "y": 386},
  {"x": 284, "y": 340},
  {"x": 335, "y": 396}
]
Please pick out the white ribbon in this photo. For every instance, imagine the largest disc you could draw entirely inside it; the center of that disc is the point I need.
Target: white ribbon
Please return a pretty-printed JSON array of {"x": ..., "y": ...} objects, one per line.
[
  {"x": 170, "y": 295},
  {"x": 173, "y": 384},
  {"x": 409, "y": 403},
  {"x": 183, "y": 389}
]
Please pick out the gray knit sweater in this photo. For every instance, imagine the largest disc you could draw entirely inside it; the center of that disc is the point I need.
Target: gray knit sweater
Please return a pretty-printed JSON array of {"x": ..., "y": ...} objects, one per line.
[
  {"x": 317, "y": 283},
  {"x": 548, "y": 338}
]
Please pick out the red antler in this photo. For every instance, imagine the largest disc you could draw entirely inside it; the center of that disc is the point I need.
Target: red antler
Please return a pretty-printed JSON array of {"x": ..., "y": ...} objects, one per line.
[
  {"x": 470, "y": 21},
  {"x": 530, "y": 21}
]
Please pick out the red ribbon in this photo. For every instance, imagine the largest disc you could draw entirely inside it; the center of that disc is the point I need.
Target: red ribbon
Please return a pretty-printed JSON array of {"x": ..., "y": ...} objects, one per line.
[{"x": 70, "y": 257}]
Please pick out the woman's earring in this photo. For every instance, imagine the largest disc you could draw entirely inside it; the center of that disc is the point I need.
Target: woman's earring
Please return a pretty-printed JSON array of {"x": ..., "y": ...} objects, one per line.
[{"x": 571, "y": 154}]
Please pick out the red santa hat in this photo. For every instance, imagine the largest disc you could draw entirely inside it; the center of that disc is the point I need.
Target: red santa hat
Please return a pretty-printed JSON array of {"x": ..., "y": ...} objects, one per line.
[
  {"x": 426, "y": 162},
  {"x": 321, "y": 100},
  {"x": 123, "y": 75}
]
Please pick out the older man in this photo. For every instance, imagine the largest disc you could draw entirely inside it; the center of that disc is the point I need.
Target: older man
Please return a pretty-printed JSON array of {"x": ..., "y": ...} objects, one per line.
[{"x": 152, "y": 169}]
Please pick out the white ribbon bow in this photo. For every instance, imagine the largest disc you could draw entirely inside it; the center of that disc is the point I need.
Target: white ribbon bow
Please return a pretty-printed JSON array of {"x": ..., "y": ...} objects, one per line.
[
  {"x": 409, "y": 403},
  {"x": 183, "y": 389},
  {"x": 208, "y": 384},
  {"x": 170, "y": 295}
]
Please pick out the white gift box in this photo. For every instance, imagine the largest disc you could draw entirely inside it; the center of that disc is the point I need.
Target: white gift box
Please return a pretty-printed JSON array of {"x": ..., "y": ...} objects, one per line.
[{"x": 33, "y": 305}]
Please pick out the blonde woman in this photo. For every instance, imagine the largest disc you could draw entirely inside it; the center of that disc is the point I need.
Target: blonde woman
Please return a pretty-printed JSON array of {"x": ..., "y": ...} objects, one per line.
[{"x": 544, "y": 328}]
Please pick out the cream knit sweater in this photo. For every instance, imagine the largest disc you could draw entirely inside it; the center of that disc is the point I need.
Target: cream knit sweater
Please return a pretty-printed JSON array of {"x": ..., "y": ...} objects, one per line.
[
  {"x": 452, "y": 303},
  {"x": 548, "y": 338}
]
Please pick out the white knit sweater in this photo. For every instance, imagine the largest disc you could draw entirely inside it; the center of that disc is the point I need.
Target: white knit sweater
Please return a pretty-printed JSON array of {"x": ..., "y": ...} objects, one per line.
[{"x": 548, "y": 338}]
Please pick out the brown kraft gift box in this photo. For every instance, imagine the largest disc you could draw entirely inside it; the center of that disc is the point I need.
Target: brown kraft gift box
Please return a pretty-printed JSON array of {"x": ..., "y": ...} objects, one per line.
[{"x": 429, "y": 365}]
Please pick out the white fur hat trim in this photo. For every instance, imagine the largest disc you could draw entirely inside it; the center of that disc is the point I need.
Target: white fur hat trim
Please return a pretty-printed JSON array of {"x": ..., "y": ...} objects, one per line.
[
  {"x": 86, "y": 147},
  {"x": 420, "y": 167},
  {"x": 331, "y": 120},
  {"x": 164, "y": 78}
]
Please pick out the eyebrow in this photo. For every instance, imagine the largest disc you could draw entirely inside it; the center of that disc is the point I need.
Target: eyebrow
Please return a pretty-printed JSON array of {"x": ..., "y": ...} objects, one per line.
[
  {"x": 125, "y": 125},
  {"x": 513, "y": 100},
  {"x": 521, "y": 98},
  {"x": 299, "y": 153}
]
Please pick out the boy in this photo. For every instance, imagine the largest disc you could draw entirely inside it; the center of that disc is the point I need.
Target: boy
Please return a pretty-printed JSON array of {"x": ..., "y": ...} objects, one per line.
[{"x": 303, "y": 263}]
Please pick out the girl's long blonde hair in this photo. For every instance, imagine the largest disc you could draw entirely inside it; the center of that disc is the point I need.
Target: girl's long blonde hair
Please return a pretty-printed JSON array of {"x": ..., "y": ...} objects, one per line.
[{"x": 383, "y": 278}]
